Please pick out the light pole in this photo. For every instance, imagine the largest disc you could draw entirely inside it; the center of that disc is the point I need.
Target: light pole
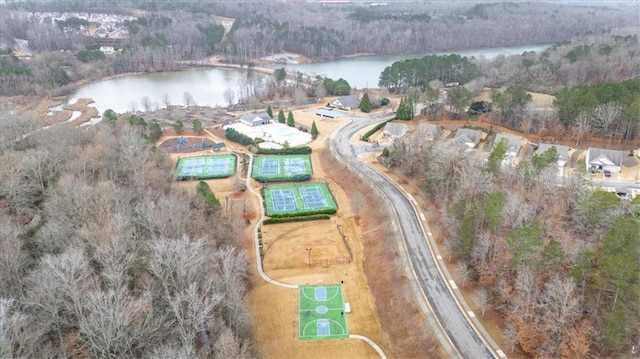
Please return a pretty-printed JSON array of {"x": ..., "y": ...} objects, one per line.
[{"x": 309, "y": 251}]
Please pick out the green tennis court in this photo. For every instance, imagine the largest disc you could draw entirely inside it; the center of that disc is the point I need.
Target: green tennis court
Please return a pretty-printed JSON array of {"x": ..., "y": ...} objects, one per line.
[
  {"x": 203, "y": 167},
  {"x": 299, "y": 199},
  {"x": 321, "y": 312},
  {"x": 281, "y": 168}
]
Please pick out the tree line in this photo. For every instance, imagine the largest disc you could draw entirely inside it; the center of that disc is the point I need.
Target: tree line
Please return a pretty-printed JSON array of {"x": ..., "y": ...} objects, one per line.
[
  {"x": 101, "y": 257},
  {"x": 558, "y": 263}
]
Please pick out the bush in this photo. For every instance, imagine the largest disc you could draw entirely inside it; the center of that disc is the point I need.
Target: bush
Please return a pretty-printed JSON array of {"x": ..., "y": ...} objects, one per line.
[
  {"x": 296, "y": 219},
  {"x": 302, "y": 150},
  {"x": 368, "y": 134},
  {"x": 235, "y": 136},
  {"x": 294, "y": 178},
  {"x": 289, "y": 215}
]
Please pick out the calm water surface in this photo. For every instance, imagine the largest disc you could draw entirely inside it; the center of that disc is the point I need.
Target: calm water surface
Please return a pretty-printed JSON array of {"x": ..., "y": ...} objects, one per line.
[{"x": 207, "y": 86}]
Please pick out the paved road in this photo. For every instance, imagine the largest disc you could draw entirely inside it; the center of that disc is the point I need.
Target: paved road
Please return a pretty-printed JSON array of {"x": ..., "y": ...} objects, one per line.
[{"x": 454, "y": 322}]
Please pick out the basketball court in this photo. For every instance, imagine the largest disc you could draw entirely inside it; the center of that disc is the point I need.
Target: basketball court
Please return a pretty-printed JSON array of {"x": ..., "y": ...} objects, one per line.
[{"x": 321, "y": 313}]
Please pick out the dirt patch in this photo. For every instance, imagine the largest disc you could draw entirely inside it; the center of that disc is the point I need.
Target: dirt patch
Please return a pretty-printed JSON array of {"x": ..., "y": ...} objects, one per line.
[
  {"x": 190, "y": 144},
  {"x": 286, "y": 245}
]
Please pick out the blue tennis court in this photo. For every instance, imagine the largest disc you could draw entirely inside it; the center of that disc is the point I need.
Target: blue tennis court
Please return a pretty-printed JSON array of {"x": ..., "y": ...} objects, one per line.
[
  {"x": 294, "y": 166},
  {"x": 283, "y": 200},
  {"x": 218, "y": 165},
  {"x": 313, "y": 197},
  {"x": 270, "y": 166}
]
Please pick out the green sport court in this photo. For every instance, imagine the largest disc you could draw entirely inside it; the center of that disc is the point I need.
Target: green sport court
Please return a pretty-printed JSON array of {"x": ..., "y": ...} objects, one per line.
[
  {"x": 321, "y": 312},
  {"x": 300, "y": 199},
  {"x": 203, "y": 167},
  {"x": 281, "y": 168}
]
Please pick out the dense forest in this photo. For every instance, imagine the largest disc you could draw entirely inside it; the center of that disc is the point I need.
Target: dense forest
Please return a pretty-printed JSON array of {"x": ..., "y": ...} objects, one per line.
[
  {"x": 102, "y": 258},
  {"x": 166, "y": 34},
  {"x": 560, "y": 264}
]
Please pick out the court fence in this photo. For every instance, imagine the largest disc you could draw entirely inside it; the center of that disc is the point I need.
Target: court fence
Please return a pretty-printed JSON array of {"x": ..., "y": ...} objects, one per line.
[{"x": 324, "y": 263}]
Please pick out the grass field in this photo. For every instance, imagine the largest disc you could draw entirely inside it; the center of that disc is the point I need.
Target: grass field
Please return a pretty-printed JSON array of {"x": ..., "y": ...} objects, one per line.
[
  {"x": 321, "y": 312},
  {"x": 203, "y": 167},
  {"x": 281, "y": 168},
  {"x": 298, "y": 199}
]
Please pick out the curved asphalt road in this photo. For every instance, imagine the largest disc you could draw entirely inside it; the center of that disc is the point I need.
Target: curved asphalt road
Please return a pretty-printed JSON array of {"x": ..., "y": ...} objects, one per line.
[{"x": 461, "y": 333}]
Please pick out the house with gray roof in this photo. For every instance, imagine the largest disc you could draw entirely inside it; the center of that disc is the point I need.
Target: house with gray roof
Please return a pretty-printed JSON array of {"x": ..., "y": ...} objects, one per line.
[
  {"x": 600, "y": 159},
  {"x": 563, "y": 152},
  {"x": 513, "y": 143},
  {"x": 256, "y": 119},
  {"x": 429, "y": 131},
  {"x": 467, "y": 137},
  {"x": 394, "y": 130},
  {"x": 348, "y": 102}
]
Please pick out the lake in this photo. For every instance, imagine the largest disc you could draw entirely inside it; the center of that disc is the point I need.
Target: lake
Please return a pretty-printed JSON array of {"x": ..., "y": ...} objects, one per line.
[{"x": 207, "y": 86}]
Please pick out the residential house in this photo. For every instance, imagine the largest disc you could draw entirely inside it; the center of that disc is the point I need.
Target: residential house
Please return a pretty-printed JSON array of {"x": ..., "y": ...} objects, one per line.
[
  {"x": 394, "y": 130},
  {"x": 347, "y": 103},
  {"x": 513, "y": 147},
  {"x": 600, "y": 159},
  {"x": 256, "y": 119},
  {"x": 563, "y": 152},
  {"x": 107, "y": 50},
  {"x": 467, "y": 137},
  {"x": 513, "y": 143},
  {"x": 429, "y": 131}
]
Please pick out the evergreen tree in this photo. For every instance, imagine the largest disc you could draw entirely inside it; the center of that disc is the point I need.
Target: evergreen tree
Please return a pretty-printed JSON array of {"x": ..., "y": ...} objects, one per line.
[
  {"x": 269, "y": 111},
  {"x": 178, "y": 126},
  {"x": 290, "y": 121},
  {"x": 281, "y": 117},
  {"x": 365, "y": 103},
  {"x": 498, "y": 154},
  {"x": 314, "y": 130},
  {"x": 197, "y": 126},
  {"x": 405, "y": 109},
  {"x": 204, "y": 190}
]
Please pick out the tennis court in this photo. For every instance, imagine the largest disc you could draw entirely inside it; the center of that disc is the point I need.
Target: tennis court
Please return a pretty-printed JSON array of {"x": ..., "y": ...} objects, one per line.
[
  {"x": 203, "y": 167},
  {"x": 281, "y": 168},
  {"x": 300, "y": 199},
  {"x": 321, "y": 312}
]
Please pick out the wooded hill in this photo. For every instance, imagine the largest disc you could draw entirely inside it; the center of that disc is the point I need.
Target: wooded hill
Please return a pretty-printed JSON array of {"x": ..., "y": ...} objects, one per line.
[
  {"x": 101, "y": 258},
  {"x": 560, "y": 264}
]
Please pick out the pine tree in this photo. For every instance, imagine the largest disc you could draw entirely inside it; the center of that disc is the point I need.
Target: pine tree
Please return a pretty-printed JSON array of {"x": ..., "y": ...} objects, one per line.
[
  {"x": 269, "y": 111},
  {"x": 281, "y": 117},
  {"x": 314, "y": 130},
  {"x": 365, "y": 103},
  {"x": 290, "y": 121}
]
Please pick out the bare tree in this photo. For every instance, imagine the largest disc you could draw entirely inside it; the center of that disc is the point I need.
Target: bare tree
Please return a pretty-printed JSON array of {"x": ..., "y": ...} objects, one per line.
[
  {"x": 230, "y": 96},
  {"x": 188, "y": 99},
  {"x": 146, "y": 104},
  {"x": 560, "y": 308},
  {"x": 605, "y": 115},
  {"x": 166, "y": 100},
  {"x": 482, "y": 298}
]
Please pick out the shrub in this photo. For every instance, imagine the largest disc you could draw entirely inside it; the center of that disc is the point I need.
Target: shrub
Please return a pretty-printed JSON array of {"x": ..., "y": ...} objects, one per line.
[
  {"x": 235, "y": 136},
  {"x": 296, "y": 219}
]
